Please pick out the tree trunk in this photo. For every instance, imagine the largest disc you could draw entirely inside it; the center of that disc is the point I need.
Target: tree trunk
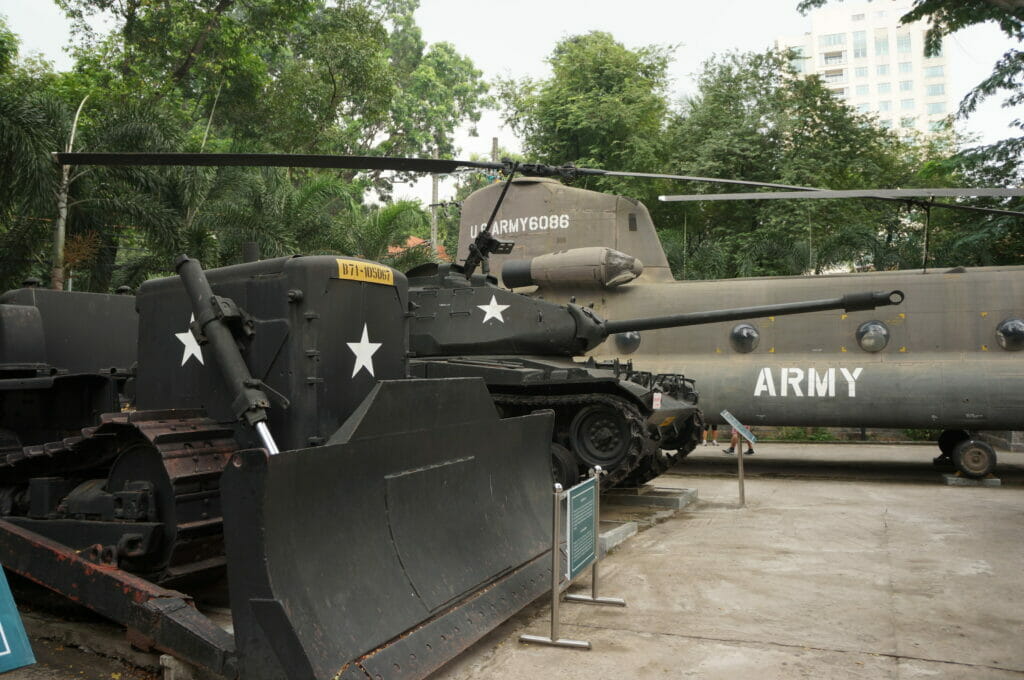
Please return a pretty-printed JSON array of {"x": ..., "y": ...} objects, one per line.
[{"x": 59, "y": 228}]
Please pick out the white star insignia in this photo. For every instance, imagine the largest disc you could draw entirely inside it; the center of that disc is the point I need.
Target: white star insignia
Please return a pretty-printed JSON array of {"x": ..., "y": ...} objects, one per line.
[
  {"x": 192, "y": 348},
  {"x": 364, "y": 350},
  {"x": 493, "y": 310}
]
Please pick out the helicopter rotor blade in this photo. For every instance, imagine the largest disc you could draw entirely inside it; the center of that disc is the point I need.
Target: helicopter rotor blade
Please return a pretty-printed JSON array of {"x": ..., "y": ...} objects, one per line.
[
  {"x": 845, "y": 193},
  {"x": 438, "y": 165},
  {"x": 913, "y": 196}
]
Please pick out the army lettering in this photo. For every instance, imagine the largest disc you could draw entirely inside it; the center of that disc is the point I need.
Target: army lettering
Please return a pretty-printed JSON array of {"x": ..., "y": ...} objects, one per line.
[
  {"x": 797, "y": 382},
  {"x": 522, "y": 225}
]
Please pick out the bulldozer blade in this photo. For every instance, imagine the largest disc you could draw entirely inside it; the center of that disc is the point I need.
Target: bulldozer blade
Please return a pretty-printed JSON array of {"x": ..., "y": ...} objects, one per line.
[{"x": 422, "y": 524}]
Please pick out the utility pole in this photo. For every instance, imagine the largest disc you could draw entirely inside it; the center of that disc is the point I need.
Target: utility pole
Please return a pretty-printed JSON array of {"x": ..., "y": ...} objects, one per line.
[
  {"x": 60, "y": 224},
  {"x": 494, "y": 149}
]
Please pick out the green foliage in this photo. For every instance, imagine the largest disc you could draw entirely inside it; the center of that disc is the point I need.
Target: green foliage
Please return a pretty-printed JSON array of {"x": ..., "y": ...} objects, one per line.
[
  {"x": 349, "y": 77},
  {"x": 752, "y": 118},
  {"x": 919, "y": 435},
  {"x": 8, "y": 47},
  {"x": 604, "y": 106},
  {"x": 380, "y": 233},
  {"x": 804, "y": 434}
]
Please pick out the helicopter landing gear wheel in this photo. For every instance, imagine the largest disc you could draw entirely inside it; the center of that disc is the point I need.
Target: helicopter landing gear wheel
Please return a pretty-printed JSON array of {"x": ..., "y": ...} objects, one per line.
[
  {"x": 974, "y": 458},
  {"x": 600, "y": 435},
  {"x": 564, "y": 468}
]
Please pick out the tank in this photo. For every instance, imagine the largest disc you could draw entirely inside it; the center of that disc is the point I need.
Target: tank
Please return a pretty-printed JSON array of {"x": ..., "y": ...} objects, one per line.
[{"x": 525, "y": 348}]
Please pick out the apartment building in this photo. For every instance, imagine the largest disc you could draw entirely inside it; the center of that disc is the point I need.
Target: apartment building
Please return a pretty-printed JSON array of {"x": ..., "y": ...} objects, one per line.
[{"x": 877, "y": 65}]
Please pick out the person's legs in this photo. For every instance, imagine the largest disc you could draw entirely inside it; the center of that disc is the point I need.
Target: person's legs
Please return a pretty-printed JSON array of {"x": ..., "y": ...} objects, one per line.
[{"x": 732, "y": 442}]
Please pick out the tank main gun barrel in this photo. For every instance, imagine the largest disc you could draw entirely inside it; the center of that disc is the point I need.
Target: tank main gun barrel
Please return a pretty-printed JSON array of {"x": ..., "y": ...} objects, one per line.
[{"x": 853, "y": 302}]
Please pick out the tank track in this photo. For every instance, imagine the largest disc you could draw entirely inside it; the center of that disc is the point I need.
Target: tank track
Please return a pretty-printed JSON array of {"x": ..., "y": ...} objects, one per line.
[
  {"x": 194, "y": 450},
  {"x": 637, "y": 446}
]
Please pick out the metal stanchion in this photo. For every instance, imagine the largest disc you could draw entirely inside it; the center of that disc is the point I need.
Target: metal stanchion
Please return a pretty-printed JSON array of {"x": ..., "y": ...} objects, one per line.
[
  {"x": 556, "y": 568},
  {"x": 556, "y": 582},
  {"x": 593, "y": 598},
  {"x": 739, "y": 465}
]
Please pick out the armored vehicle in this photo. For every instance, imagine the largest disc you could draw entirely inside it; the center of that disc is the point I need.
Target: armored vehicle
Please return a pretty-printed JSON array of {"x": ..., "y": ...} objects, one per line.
[
  {"x": 276, "y": 435},
  {"x": 606, "y": 413}
]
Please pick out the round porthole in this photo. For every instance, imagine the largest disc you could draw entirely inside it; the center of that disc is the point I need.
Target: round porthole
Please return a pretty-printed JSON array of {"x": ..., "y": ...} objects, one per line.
[
  {"x": 744, "y": 338},
  {"x": 872, "y": 336},
  {"x": 1010, "y": 334},
  {"x": 628, "y": 342}
]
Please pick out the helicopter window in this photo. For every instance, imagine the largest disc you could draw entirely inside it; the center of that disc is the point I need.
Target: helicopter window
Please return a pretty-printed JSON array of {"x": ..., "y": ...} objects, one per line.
[
  {"x": 1010, "y": 334},
  {"x": 872, "y": 336},
  {"x": 744, "y": 337},
  {"x": 632, "y": 221},
  {"x": 628, "y": 342}
]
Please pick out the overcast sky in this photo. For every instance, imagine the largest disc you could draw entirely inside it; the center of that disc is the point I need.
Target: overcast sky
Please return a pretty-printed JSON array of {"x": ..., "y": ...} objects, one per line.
[{"x": 513, "y": 39}]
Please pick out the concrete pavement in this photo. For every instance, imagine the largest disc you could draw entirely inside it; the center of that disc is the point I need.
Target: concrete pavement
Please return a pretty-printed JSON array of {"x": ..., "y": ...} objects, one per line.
[{"x": 849, "y": 561}]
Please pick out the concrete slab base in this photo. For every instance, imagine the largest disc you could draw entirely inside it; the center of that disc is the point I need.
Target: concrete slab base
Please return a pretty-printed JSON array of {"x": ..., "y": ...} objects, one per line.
[
  {"x": 652, "y": 497},
  {"x": 957, "y": 480},
  {"x": 100, "y": 638},
  {"x": 614, "y": 534}
]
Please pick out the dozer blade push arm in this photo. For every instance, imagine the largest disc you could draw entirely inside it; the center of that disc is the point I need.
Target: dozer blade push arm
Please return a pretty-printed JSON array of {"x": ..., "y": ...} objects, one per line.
[
  {"x": 155, "y": 617},
  {"x": 853, "y": 302},
  {"x": 249, "y": 402}
]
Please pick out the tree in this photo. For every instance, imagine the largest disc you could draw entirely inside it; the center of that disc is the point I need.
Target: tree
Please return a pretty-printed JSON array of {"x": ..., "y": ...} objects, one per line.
[
  {"x": 754, "y": 119},
  {"x": 379, "y": 233},
  {"x": 603, "y": 106}
]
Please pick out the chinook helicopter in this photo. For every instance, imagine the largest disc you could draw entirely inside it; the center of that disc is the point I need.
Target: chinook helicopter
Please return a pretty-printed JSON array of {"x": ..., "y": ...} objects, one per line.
[{"x": 947, "y": 360}]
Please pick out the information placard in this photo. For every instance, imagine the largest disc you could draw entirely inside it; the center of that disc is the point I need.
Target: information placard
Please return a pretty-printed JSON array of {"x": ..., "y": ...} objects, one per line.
[
  {"x": 15, "y": 650},
  {"x": 581, "y": 527},
  {"x": 744, "y": 432}
]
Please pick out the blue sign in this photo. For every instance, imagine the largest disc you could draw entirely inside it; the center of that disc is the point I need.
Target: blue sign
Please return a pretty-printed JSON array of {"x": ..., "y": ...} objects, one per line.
[
  {"x": 738, "y": 426},
  {"x": 15, "y": 650}
]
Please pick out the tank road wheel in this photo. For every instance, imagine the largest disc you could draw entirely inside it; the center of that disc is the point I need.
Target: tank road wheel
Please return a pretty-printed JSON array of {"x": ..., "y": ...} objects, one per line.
[
  {"x": 600, "y": 435},
  {"x": 974, "y": 458},
  {"x": 564, "y": 468}
]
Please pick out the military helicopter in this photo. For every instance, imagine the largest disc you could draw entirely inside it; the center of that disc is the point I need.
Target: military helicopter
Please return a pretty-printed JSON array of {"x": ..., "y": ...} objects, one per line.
[{"x": 946, "y": 360}]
